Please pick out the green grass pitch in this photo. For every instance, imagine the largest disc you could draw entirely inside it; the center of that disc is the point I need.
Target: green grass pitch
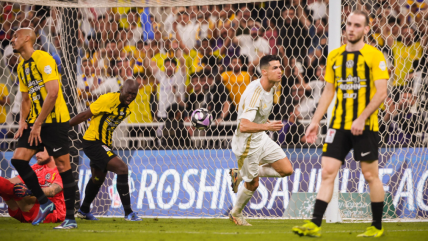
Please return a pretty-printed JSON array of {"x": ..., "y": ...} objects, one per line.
[{"x": 115, "y": 229}]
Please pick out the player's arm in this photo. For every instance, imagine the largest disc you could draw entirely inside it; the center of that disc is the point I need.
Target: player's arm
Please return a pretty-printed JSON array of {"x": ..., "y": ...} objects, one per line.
[
  {"x": 14, "y": 180},
  {"x": 380, "y": 78},
  {"x": 52, "y": 89},
  {"x": 81, "y": 117},
  {"x": 378, "y": 98},
  {"x": 25, "y": 110},
  {"x": 247, "y": 126},
  {"x": 53, "y": 190},
  {"x": 325, "y": 100}
]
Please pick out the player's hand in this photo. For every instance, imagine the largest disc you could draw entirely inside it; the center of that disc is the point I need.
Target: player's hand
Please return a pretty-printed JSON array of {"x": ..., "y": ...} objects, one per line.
[
  {"x": 35, "y": 135},
  {"x": 21, "y": 190},
  {"x": 274, "y": 125},
  {"x": 312, "y": 133},
  {"x": 22, "y": 126},
  {"x": 357, "y": 127}
]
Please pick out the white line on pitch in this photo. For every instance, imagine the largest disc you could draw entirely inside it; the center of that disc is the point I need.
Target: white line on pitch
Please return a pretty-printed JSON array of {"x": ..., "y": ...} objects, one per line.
[{"x": 190, "y": 232}]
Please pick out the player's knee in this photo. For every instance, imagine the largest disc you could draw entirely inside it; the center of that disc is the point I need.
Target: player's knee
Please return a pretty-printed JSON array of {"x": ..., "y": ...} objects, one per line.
[
  {"x": 123, "y": 169},
  {"x": 62, "y": 164},
  {"x": 327, "y": 174},
  {"x": 369, "y": 176},
  {"x": 253, "y": 185}
]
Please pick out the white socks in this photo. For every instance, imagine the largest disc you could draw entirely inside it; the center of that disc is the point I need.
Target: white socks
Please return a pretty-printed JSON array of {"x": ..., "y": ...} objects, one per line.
[
  {"x": 267, "y": 171},
  {"x": 244, "y": 195}
]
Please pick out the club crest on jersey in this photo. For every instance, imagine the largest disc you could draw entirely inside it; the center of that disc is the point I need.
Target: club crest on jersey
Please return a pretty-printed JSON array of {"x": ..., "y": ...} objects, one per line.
[
  {"x": 382, "y": 65},
  {"x": 122, "y": 113},
  {"x": 48, "y": 176},
  {"x": 349, "y": 63},
  {"x": 106, "y": 148},
  {"x": 27, "y": 71},
  {"x": 48, "y": 69}
]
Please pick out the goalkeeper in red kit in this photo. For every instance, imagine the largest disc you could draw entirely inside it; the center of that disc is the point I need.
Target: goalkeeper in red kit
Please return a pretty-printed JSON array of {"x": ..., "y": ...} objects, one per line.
[{"x": 22, "y": 205}]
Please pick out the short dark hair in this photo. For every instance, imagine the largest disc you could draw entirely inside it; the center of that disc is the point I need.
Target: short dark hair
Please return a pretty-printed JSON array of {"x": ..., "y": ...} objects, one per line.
[
  {"x": 365, "y": 14},
  {"x": 172, "y": 61},
  {"x": 265, "y": 60}
]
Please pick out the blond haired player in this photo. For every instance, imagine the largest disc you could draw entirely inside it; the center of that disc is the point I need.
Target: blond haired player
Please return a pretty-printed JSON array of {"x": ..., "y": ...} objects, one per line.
[{"x": 257, "y": 154}]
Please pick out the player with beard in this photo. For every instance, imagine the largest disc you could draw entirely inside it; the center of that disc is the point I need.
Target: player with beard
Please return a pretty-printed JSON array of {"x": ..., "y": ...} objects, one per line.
[
  {"x": 22, "y": 204},
  {"x": 358, "y": 74}
]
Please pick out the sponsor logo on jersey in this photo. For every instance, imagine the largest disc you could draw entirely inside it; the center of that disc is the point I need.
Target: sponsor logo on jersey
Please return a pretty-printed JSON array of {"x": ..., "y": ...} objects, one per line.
[{"x": 350, "y": 96}]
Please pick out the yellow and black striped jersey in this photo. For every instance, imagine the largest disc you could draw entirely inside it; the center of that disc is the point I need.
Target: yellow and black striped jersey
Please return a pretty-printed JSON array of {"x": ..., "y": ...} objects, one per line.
[
  {"x": 353, "y": 75},
  {"x": 108, "y": 112},
  {"x": 33, "y": 74}
]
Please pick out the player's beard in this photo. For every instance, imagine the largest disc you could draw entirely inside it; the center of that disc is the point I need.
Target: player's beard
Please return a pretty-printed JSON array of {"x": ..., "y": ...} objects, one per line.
[{"x": 356, "y": 40}]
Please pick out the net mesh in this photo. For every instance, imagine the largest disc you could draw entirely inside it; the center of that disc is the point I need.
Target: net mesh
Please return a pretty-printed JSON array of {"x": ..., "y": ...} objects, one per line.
[{"x": 187, "y": 57}]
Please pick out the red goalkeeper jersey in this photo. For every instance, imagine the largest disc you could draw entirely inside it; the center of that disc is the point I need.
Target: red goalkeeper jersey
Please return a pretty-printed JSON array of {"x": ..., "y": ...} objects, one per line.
[{"x": 48, "y": 176}]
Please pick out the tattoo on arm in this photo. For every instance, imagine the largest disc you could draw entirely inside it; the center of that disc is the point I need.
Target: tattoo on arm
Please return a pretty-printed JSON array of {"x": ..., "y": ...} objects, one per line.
[{"x": 52, "y": 190}]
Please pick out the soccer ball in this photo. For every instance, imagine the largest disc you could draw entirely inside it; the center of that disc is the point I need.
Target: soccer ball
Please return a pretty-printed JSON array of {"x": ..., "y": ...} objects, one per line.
[{"x": 201, "y": 119}]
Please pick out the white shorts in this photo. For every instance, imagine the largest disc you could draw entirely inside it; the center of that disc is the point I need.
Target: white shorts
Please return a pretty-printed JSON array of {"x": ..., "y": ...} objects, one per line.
[{"x": 270, "y": 152}]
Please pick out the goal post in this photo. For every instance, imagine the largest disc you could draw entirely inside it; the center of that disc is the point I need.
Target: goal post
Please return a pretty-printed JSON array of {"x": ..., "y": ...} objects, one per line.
[
  {"x": 178, "y": 171},
  {"x": 335, "y": 9}
]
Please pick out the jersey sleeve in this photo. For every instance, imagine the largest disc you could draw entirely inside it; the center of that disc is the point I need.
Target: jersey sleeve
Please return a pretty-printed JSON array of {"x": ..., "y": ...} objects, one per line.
[
  {"x": 47, "y": 67},
  {"x": 379, "y": 67},
  {"x": 329, "y": 72},
  {"x": 251, "y": 105},
  {"x": 102, "y": 104}
]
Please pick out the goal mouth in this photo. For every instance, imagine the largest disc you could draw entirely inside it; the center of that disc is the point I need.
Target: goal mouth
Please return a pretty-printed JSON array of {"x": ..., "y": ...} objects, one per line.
[{"x": 191, "y": 54}]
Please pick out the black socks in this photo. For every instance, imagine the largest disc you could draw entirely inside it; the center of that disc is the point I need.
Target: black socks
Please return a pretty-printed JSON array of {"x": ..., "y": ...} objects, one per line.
[
  {"x": 69, "y": 188},
  {"x": 30, "y": 179},
  {"x": 319, "y": 210},
  {"x": 377, "y": 211},
  {"x": 91, "y": 192},
  {"x": 123, "y": 189}
]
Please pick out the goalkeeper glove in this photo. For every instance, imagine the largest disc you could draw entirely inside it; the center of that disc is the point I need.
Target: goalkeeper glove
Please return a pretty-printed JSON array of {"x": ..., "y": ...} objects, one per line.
[{"x": 21, "y": 190}]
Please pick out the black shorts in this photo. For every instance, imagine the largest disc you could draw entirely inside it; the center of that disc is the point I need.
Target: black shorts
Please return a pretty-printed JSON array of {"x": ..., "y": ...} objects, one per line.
[
  {"x": 98, "y": 153},
  {"x": 338, "y": 143},
  {"x": 54, "y": 139}
]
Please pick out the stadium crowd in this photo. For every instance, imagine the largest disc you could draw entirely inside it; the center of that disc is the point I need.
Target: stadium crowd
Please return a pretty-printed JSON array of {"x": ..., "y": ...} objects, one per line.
[{"x": 186, "y": 58}]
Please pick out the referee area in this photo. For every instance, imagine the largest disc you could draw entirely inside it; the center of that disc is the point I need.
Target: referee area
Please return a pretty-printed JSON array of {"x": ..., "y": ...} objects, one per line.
[{"x": 117, "y": 229}]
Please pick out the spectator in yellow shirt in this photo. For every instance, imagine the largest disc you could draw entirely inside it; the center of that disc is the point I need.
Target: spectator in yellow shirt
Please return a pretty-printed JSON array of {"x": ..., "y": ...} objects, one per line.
[
  {"x": 235, "y": 79},
  {"x": 141, "y": 111},
  {"x": 4, "y": 102}
]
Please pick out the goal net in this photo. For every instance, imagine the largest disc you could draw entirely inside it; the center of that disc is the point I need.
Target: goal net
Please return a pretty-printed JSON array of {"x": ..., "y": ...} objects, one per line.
[{"x": 193, "y": 54}]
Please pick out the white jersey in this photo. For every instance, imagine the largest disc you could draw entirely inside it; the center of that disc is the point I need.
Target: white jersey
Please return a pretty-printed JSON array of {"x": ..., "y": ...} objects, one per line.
[{"x": 255, "y": 105}]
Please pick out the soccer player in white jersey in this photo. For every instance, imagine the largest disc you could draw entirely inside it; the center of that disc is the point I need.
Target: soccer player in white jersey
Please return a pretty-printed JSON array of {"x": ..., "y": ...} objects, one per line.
[{"x": 257, "y": 154}]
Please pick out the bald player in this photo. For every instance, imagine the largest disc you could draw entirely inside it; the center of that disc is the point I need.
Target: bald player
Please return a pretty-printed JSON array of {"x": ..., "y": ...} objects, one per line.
[
  {"x": 44, "y": 123},
  {"x": 106, "y": 113}
]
